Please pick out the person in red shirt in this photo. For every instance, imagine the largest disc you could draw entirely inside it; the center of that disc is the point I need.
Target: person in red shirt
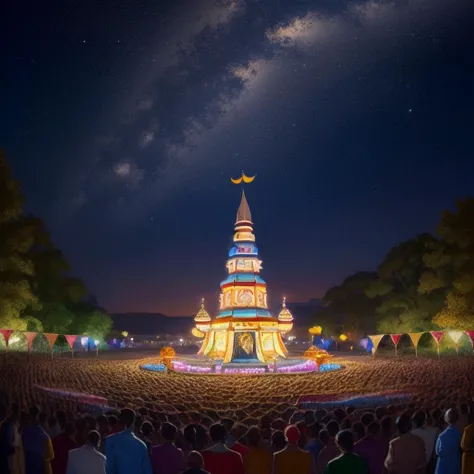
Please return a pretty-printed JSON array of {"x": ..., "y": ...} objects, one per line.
[
  {"x": 62, "y": 444},
  {"x": 234, "y": 432},
  {"x": 219, "y": 459}
]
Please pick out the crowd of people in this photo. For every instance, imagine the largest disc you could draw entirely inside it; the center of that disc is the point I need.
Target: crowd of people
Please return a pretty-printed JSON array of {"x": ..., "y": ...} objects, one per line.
[
  {"x": 182, "y": 423},
  {"x": 393, "y": 440}
]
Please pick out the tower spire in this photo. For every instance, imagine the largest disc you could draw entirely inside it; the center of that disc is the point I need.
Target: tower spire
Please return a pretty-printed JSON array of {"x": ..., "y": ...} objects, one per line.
[{"x": 243, "y": 213}]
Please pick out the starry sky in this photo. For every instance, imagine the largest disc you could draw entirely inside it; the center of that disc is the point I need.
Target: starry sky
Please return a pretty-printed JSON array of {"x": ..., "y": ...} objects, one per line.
[{"x": 124, "y": 122}]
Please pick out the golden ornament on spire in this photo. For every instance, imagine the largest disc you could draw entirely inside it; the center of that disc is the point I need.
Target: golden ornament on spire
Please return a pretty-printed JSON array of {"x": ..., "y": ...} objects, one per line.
[{"x": 243, "y": 178}]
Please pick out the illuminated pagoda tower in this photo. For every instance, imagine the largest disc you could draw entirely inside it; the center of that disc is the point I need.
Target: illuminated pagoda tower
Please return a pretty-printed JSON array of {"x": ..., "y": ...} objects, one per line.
[{"x": 244, "y": 331}]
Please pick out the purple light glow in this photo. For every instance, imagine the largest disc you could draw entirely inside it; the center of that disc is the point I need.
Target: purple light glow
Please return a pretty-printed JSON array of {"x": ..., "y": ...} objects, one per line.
[
  {"x": 307, "y": 366},
  {"x": 245, "y": 370},
  {"x": 182, "y": 367}
]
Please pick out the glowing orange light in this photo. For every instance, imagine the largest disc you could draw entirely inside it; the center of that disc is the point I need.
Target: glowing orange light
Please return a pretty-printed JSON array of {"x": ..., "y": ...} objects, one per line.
[{"x": 315, "y": 330}]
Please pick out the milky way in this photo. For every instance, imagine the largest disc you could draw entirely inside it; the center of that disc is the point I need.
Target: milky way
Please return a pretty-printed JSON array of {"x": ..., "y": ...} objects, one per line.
[{"x": 125, "y": 125}]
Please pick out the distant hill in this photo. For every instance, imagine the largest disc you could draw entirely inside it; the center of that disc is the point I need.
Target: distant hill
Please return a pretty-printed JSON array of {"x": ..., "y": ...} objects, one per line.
[
  {"x": 151, "y": 323},
  {"x": 157, "y": 323}
]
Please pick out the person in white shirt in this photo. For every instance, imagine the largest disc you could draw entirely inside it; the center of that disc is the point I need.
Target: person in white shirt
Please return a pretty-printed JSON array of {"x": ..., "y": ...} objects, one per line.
[
  {"x": 426, "y": 432},
  {"x": 86, "y": 459}
]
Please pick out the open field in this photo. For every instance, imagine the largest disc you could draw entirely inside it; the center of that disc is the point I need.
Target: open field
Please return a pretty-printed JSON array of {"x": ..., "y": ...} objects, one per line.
[{"x": 121, "y": 381}]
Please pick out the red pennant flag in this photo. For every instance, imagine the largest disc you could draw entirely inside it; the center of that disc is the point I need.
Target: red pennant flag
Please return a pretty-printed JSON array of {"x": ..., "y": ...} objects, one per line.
[
  {"x": 6, "y": 334},
  {"x": 51, "y": 338},
  {"x": 437, "y": 335},
  {"x": 471, "y": 337},
  {"x": 30, "y": 336},
  {"x": 395, "y": 338},
  {"x": 70, "y": 339}
]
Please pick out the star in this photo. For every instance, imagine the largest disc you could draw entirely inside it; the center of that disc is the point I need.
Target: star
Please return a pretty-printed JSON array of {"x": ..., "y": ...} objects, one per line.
[{"x": 410, "y": 111}]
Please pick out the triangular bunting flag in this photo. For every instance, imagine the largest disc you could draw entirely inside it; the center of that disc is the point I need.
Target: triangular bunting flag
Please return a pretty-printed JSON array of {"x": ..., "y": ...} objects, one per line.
[
  {"x": 51, "y": 338},
  {"x": 395, "y": 338},
  {"x": 376, "y": 341},
  {"x": 455, "y": 336},
  {"x": 415, "y": 337},
  {"x": 437, "y": 335},
  {"x": 30, "y": 336},
  {"x": 70, "y": 339},
  {"x": 471, "y": 337},
  {"x": 6, "y": 334}
]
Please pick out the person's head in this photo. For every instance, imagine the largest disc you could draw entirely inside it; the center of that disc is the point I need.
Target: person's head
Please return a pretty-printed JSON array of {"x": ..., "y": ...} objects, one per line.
[
  {"x": 93, "y": 438},
  {"x": 358, "y": 429},
  {"x": 373, "y": 429},
  {"x": 237, "y": 431},
  {"x": 102, "y": 422},
  {"x": 218, "y": 433},
  {"x": 34, "y": 412},
  {"x": 90, "y": 423},
  {"x": 127, "y": 417},
  {"x": 228, "y": 424},
  {"x": 196, "y": 417},
  {"x": 340, "y": 414},
  {"x": 195, "y": 460},
  {"x": 168, "y": 432},
  {"x": 451, "y": 416},
  {"x": 146, "y": 429},
  {"x": 278, "y": 440},
  {"x": 345, "y": 441},
  {"x": 189, "y": 434},
  {"x": 314, "y": 430},
  {"x": 403, "y": 423},
  {"x": 386, "y": 425},
  {"x": 309, "y": 417},
  {"x": 333, "y": 428},
  {"x": 296, "y": 417},
  {"x": 292, "y": 434},
  {"x": 346, "y": 424},
  {"x": 113, "y": 421},
  {"x": 324, "y": 437},
  {"x": 253, "y": 436},
  {"x": 367, "y": 418},
  {"x": 419, "y": 418}
]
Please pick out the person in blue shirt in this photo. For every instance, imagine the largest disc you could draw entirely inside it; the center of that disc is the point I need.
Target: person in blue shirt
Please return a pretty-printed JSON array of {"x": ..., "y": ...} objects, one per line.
[
  {"x": 314, "y": 445},
  {"x": 448, "y": 446},
  {"x": 127, "y": 454}
]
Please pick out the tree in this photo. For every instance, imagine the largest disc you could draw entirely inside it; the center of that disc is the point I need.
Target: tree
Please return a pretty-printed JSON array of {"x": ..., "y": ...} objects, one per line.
[
  {"x": 450, "y": 264},
  {"x": 91, "y": 321},
  {"x": 347, "y": 307},
  {"x": 403, "y": 307},
  {"x": 16, "y": 239},
  {"x": 37, "y": 291}
]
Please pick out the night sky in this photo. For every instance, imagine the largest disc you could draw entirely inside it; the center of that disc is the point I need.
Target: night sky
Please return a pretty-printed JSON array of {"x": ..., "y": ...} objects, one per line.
[{"x": 124, "y": 122}]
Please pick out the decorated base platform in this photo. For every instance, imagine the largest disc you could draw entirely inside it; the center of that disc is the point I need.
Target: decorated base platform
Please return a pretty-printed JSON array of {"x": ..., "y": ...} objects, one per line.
[{"x": 204, "y": 367}]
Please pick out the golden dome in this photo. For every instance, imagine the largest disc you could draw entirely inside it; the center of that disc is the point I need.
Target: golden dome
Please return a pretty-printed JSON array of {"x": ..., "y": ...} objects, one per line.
[
  {"x": 202, "y": 319},
  {"x": 285, "y": 315},
  {"x": 203, "y": 315}
]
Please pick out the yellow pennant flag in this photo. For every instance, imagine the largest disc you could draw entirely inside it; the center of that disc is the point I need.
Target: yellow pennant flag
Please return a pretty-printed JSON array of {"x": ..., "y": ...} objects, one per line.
[
  {"x": 376, "y": 341},
  {"x": 415, "y": 338}
]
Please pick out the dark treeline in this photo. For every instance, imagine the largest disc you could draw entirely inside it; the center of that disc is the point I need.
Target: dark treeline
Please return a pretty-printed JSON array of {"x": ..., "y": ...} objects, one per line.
[
  {"x": 37, "y": 290},
  {"x": 422, "y": 284}
]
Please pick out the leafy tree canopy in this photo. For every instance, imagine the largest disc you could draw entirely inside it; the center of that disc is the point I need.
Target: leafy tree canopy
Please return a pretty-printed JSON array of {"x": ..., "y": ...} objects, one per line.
[{"x": 37, "y": 291}]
